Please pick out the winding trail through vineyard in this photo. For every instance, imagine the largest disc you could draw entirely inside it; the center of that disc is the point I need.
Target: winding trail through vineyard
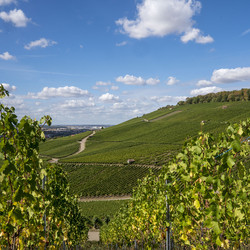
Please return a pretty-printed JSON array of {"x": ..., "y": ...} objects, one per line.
[
  {"x": 83, "y": 144},
  {"x": 82, "y": 148}
]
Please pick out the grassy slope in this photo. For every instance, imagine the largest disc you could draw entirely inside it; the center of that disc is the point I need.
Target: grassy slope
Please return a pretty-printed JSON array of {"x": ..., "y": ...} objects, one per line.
[
  {"x": 63, "y": 146},
  {"x": 154, "y": 142}
]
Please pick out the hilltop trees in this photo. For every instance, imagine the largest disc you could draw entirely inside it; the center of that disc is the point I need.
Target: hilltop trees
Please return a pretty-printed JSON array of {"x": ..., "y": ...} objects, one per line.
[
  {"x": 35, "y": 206},
  {"x": 224, "y": 96}
]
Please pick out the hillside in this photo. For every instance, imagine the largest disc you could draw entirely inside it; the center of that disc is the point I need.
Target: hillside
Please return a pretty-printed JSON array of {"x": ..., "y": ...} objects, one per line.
[{"x": 153, "y": 141}]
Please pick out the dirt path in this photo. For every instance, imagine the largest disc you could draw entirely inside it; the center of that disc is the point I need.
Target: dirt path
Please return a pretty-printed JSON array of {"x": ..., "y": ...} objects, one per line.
[
  {"x": 111, "y": 198},
  {"x": 83, "y": 144},
  {"x": 164, "y": 116},
  {"x": 54, "y": 160},
  {"x": 82, "y": 148}
]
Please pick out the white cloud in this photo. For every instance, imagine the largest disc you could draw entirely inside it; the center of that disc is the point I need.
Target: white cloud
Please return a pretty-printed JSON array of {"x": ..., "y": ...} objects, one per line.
[
  {"x": 16, "y": 17},
  {"x": 195, "y": 35},
  {"x": 8, "y": 87},
  {"x": 72, "y": 104},
  {"x": 121, "y": 44},
  {"x": 167, "y": 99},
  {"x": 133, "y": 80},
  {"x": 114, "y": 87},
  {"x": 202, "y": 83},
  {"x": 100, "y": 83},
  {"x": 206, "y": 90},
  {"x": 59, "y": 92},
  {"x": 172, "y": 80},
  {"x": 161, "y": 18},
  {"x": 7, "y": 56},
  {"x": 231, "y": 75},
  {"x": 43, "y": 43},
  {"x": 6, "y": 2},
  {"x": 14, "y": 101},
  {"x": 152, "y": 81},
  {"x": 108, "y": 98}
]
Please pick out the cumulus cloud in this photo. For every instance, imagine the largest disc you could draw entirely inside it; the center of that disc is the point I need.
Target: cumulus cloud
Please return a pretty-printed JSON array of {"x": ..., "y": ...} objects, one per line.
[
  {"x": 67, "y": 91},
  {"x": 8, "y": 87},
  {"x": 108, "y": 98},
  {"x": 6, "y": 2},
  {"x": 42, "y": 43},
  {"x": 73, "y": 104},
  {"x": 202, "y": 83},
  {"x": 161, "y": 18},
  {"x": 16, "y": 17},
  {"x": 133, "y": 80},
  {"x": 7, "y": 56},
  {"x": 195, "y": 35},
  {"x": 167, "y": 99},
  {"x": 172, "y": 80},
  {"x": 206, "y": 90},
  {"x": 231, "y": 75}
]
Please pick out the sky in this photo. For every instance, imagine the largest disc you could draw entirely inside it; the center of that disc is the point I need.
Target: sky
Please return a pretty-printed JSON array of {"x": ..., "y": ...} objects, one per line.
[{"x": 107, "y": 61}]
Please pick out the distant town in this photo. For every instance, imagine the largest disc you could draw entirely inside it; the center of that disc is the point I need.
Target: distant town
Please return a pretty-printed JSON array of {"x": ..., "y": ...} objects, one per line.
[{"x": 65, "y": 130}]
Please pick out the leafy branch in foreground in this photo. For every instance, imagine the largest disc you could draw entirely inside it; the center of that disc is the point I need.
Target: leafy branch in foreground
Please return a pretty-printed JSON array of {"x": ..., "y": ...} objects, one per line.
[
  {"x": 23, "y": 200},
  {"x": 208, "y": 195}
]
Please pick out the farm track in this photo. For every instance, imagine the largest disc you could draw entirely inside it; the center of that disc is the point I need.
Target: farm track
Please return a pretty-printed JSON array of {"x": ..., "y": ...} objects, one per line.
[
  {"x": 109, "y": 164},
  {"x": 81, "y": 148},
  {"x": 105, "y": 198}
]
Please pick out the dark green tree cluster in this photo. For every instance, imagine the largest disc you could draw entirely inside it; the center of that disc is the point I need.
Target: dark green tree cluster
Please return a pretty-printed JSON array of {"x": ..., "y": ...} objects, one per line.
[{"x": 224, "y": 96}]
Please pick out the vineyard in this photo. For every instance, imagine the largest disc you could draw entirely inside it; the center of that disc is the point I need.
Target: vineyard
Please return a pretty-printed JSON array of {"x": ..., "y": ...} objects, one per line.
[
  {"x": 103, "y": 180},
  {"x": 63, "y": 146},
  {"x": 155, "y": 143},
  {"x": 197, "y": 193},
  {"x": 202, "y": 196}
]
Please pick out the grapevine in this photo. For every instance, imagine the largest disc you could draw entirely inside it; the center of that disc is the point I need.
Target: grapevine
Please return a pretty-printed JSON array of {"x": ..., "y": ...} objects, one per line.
[{"x": 208, "y": 196}]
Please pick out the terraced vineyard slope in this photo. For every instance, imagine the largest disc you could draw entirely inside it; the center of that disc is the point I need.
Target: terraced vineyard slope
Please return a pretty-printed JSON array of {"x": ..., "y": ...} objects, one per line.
[{"x": 154, "y": 138}]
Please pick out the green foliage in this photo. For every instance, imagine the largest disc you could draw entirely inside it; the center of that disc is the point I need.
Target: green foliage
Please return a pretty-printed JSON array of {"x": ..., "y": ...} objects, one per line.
[
  {"x": 23, "y": 200},
  {"x": 224, "y": 96},
  {"x": 207, "y": 191},
  {"x": 94, "y": 180},
  {"x": 210, "y": 184},
  {"x": 63, "y": 146}
]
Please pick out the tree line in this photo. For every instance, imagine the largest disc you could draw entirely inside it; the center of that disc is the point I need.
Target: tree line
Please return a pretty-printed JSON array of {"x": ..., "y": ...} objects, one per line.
[{"x": 223, "y": 96}]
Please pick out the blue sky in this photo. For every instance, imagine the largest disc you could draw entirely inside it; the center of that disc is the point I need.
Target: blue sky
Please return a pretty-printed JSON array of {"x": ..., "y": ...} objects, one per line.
[{"x": 106, "y": 61}]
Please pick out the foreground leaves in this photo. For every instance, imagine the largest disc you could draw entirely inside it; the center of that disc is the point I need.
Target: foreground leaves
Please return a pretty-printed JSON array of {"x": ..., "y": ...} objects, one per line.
[
  {"x": 207, "y": 191},
  {"x": 32, "y": 212}
]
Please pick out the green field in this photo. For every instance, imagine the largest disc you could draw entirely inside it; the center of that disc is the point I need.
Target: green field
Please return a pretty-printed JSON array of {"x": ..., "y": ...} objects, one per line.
[
  {"x": 97, "y": 180},
  {"x": 158, "y": 141},
  {"x": 63, "y": 146}
]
